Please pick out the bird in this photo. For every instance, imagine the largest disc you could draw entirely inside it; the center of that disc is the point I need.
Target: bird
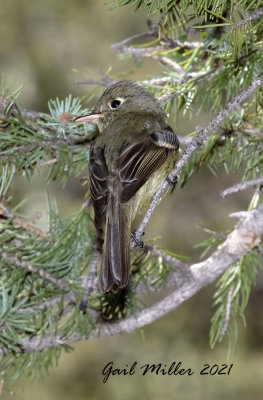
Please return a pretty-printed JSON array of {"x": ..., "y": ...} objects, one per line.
[{"x": 131, "y": 154}]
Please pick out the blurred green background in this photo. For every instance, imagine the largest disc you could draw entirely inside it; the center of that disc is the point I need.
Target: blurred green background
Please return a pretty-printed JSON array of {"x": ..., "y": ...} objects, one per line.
[{"x": 46, "y": 46}]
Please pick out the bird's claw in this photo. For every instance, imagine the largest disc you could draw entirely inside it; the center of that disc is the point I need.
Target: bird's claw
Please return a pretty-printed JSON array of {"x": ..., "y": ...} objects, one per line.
[
  {"x": 138, "y": 242},
  {"x": 173, "y": 181}
]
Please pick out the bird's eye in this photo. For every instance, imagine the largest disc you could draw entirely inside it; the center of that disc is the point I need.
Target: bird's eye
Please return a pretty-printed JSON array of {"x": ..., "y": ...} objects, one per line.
[{"x": 115, "y": 103}]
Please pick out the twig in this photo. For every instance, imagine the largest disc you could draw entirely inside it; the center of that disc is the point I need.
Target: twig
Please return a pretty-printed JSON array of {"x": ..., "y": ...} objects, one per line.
[
  {"x": 200, "y": 76},
  {"x": 170, "y": 63},
  {"x": 186, "y": 44},
  {"x": 157, "y": 81},
  {"x": 7, "y": 214},
  {"x": 105, "y": 81},
  {"x": 174, "y": 262},
  {"x": 51, "y": 302},
  {"x": 257, "y": 14},
  {"x": 151, "y": 32},
  {"x": 152, "y": 51},
  {"x": 47, "y": 163},
  {"x": 11, "y": 259},
  {"x": 167, "y": 96},
  {"x": 198, "y": 141},
  {"x": 237, "y": 244},
  {"x": 30, "y": 228},
  {"x": 210, "y": 75},
  {"x": 144, "y": 52},
  {"x": 254, "y": 132},
  {"x": 242, "y": 186},
  {"x": 227, "y": 313},
  {"x": 2, "y": 381},
  {"x": 89, "y": 281},
  {"x": 31, "y": 114},
  {"x": 122, "y": 47}
]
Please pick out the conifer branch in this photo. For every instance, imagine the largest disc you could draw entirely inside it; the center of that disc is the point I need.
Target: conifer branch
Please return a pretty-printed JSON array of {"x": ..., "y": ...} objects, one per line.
[
  {"x": 138, "y": 52},
  {"x": 163, "y": 80},
  {"x": 174, "y": 262},
  {"x": 153, "y": 31},
  {"x": 242, "y": 186},
  {"x": 7, "y": 214},
  {"x": 227, "y": 313},
  {"x": 13, "y": 260},
  {"x": 48, "y": 163},
  {"x": 198, "y": 141},
  {"x": 40, "y": 308},
  {"x": 89, "y": 280},
  {"x": 53, "y": 301},
  {"x": 186, "y": 44},
  {"x": 200, "y": 76},
  {"x": 31, "y": 114},
  {"x": 257, "y": 14},
  {"x": 244, "y": 237},
  {"x": 104, "y": 81},
  {"x": 170, "y": 63},
  {"x": 154, "y": 53}
]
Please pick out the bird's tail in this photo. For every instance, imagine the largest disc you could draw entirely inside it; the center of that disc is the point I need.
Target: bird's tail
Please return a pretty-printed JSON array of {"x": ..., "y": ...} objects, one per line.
[{"x": 114, "y": 272}]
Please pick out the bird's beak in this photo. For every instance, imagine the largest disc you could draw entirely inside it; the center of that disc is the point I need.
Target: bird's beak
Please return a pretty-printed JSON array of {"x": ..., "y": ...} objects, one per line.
[{"x": 90, "y": 118}]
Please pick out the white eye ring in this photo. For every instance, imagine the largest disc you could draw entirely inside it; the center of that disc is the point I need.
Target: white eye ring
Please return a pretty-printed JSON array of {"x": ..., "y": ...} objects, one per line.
[{"x": 116, "y": 103}]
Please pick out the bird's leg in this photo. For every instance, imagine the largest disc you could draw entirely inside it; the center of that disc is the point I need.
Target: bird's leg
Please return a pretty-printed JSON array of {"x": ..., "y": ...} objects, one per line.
[
  {"x": 172, "y": 182},
  {"x": 137, "y": 240}
]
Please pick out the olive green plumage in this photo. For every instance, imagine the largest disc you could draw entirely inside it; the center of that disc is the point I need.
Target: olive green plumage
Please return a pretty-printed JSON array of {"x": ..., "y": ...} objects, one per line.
[{"x": 131, "y": 155}]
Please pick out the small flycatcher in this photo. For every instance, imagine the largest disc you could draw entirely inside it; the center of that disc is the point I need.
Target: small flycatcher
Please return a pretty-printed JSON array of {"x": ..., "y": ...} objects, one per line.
[{"x": 132, "y": 153}]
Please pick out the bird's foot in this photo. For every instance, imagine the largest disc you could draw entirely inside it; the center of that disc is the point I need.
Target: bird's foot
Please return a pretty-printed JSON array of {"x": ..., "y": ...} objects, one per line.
[
  {"x": 137, "y": 241},
  {"x": 172, "y": 181}
]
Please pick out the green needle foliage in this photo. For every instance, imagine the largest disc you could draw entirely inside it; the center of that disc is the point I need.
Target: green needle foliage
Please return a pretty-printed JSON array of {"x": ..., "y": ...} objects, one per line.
[
  {"x": 209, "y": 51},
  {"x": 231, "y": 298}
]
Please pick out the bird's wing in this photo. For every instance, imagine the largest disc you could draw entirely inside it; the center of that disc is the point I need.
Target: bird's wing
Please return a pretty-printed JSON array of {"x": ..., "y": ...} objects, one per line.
[
  {"x": 98, "y": 173},
  {"x": 137, "y": 161}
]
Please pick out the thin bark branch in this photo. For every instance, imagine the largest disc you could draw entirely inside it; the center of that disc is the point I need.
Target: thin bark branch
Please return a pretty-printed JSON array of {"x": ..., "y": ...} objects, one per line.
[
  {"x": 186, "y": 44},
  {"x": 227, "y": 313},
  {"x": 104, "y": 81},
  {"x": 139, "y": 52},
  {"x": 31, "y": 114},
  {"x": 200, "y": 76},
  {"x": 47, "y": 163},
  {"x": 198, "y": 141},
  {"x": 53, "y": 301},
  {"x": 11, "y": 259},
  {"x": 257, "y": 14},
  {"x": 242, "y": 186},
  {"x": 7, "y": 214},
  {"x": 241, "y": 241},
  {"x": 89, "y": 280},
  {"x": 151, "y": 32},
  {"x": 154, "y": 53},
  {"x": 174, "y": 262},
  {"x": 157, "y": 81},
  {"x": 170, "y": 63}
]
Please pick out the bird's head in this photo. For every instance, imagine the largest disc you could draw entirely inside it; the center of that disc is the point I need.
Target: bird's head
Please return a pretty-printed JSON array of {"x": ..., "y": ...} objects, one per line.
[{"x": 120, "y": 99}]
